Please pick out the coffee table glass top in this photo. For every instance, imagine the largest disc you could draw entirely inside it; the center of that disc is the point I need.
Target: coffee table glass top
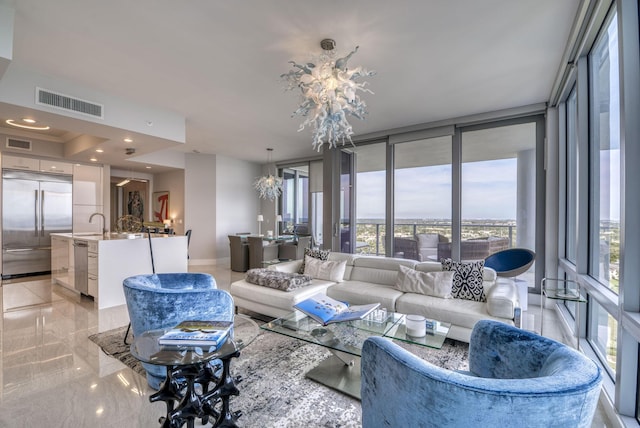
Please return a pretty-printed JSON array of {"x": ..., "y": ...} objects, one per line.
[
  {"x": 349, "y": 336},
  {"x": 146, "y": 348},
  {"x": 437, "y": 332}
]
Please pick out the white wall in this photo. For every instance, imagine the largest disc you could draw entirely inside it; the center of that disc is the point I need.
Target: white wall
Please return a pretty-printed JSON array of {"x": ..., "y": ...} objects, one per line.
[
  {"x": 200, "y": 206},
  {"x": 219, "y": 200},
  {"x": 237, "y": 201}
]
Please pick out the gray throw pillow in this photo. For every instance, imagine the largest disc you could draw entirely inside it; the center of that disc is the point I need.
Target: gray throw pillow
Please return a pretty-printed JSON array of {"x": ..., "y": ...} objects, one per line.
[{"x": 284, "y": 281}]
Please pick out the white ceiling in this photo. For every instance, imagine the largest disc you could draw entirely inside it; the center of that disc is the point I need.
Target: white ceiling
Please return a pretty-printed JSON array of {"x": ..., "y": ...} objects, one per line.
[{"x": 218, "y": 63}]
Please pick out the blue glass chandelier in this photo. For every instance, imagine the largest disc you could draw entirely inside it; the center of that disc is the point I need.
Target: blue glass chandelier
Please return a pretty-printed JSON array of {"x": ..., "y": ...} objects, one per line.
[{"x": 329, "y": 94}]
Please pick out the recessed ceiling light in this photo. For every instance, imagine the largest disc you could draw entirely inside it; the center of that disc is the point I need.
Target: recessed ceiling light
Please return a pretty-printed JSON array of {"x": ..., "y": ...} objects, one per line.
[
  {"x": 128, "y": 140},
  {"x": 28, "y": 120},
  {"x": 99, "y": 151},
  {"x": 148, "y": 167},
  {"x": 20, "y": 125},
  {"x": 93, "y": 159}
]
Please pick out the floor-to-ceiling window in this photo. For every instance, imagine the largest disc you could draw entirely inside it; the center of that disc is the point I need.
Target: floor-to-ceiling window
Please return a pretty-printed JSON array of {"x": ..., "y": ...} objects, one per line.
[
  {"x": 604, "y": 186},
  {"x": 370, "y": 198},
  {"x": 498, "y": 189},
  {"x": 571, "y": 156},
  {"x": 605, "y": 156},
  {"x": 600, "y": 245},
  {"x": 422, "y": 196},
  {"x": 295, "y": 198}
]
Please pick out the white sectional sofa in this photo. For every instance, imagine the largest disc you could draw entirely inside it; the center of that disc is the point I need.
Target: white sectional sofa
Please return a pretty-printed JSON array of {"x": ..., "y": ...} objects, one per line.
[{"x": 370, "y": 279}]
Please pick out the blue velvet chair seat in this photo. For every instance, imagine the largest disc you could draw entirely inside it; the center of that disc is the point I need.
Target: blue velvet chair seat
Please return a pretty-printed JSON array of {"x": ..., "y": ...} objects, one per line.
[
  {"x": 516, "y": 379},
  {"x": 165, "y": 299}
]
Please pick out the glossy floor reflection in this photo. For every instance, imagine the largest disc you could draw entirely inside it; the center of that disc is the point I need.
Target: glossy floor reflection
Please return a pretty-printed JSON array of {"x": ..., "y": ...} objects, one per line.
[{"x": 52, "y": 375}]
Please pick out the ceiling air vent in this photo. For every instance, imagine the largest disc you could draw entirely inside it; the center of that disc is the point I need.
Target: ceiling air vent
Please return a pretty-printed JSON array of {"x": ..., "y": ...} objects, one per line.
[
  {"x": 65, "y": 102},
  {"x": 13, "y": 143}
]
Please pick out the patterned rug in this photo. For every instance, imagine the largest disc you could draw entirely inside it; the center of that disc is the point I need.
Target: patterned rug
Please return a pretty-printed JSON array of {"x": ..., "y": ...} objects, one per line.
[{"x": 274, "y": 391}]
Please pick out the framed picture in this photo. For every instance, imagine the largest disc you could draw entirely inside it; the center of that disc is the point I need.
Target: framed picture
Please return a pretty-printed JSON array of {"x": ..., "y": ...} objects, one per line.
[
  {"x": 160, "y": 206},
  {"x": 135, "y": 204}
]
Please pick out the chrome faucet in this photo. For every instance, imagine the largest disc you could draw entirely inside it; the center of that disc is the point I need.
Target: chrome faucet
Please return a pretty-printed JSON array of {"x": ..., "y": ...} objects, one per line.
[{"x": 104, "y": 231}]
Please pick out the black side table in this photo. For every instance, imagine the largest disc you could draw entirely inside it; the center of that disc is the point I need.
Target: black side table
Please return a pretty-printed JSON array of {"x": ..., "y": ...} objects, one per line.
[{"x": 188, "y": 366}]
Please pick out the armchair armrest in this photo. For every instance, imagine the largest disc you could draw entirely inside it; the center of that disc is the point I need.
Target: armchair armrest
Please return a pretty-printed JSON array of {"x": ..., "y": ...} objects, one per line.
[{"x": 502, "y": 299}]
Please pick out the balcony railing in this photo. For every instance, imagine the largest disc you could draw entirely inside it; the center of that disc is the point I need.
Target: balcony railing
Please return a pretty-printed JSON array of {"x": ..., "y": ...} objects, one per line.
[{"x": 370, "y": 235}]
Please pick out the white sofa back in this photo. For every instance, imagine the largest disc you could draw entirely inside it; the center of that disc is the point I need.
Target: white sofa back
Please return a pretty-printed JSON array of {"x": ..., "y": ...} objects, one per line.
[
  {"x": 490, "y": 275},
  {"x": 338, "y": 257},
  {"x": 378, "y": 270}
]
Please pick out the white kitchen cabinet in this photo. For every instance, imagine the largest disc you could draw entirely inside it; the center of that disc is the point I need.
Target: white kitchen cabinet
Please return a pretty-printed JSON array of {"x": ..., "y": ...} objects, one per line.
[
  {"x": 18, "y": 162},
  {"x": 92, "y": 269},
  {"x": 87, "y": 185},
  {"x": 56, "y": 167},
  {"x": 37, "y": 165},
  {"x": 71, "y": 280}
]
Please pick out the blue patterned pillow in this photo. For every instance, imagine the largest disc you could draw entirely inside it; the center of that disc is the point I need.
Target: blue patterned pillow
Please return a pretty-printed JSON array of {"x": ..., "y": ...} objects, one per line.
[{"x": 467, "y": 279}]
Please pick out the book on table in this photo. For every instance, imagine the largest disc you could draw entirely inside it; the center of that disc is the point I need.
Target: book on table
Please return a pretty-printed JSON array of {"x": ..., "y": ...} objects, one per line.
[
  {"x": 326, "y": 310},
  {"x": 197, "y": 333}
]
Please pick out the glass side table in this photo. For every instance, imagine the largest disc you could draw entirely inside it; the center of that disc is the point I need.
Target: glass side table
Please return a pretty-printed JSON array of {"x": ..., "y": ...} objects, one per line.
[
  {"x": 188, "y": 366},
  {"x": 561, "y": 289}
]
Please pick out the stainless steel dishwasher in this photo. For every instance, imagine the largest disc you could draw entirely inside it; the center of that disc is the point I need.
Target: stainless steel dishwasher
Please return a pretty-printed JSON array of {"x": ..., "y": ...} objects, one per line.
[{"x": 81, "y": 261}]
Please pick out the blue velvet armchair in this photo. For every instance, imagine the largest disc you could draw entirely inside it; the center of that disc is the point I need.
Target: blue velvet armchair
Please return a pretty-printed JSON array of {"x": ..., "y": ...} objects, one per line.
[
  {"x": 516, "y": 379},
  {"x": 165, "y": 299}
]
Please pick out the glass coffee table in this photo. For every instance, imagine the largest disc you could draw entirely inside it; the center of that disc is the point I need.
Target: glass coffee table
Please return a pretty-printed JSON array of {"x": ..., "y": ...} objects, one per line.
[{"x": 341, "y": 371}]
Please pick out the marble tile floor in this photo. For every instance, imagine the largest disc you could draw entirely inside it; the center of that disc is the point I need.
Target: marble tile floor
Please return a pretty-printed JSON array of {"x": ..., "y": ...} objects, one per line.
[{"x": 52, "y": 375}]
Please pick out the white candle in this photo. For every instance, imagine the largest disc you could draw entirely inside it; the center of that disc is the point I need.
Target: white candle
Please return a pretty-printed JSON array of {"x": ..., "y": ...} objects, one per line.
[{"x": 416, "y": 325}]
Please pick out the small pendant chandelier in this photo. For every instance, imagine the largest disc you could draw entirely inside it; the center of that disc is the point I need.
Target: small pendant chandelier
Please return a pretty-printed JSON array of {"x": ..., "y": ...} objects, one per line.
[{"x": 270, "y": 185}]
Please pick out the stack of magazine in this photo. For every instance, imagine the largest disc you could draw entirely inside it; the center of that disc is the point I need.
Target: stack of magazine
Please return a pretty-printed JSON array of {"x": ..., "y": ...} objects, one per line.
[{"x": 197, "y": 333}]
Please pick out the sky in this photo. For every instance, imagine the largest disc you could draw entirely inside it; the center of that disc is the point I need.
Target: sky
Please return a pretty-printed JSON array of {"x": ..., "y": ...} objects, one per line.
[{"x": 488, "y": 192}]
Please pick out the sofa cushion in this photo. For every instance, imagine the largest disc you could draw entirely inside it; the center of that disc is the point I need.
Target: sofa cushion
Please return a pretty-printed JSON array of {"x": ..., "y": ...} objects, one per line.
[
  {"x": 362, "y": 293},
  {"x": 437, "y": 284},
  {"x": 271, "y": 297},
  {"x": 327, "y": 270},
  {"x": 284, "y": 281},
  {"x": 459, "y": 312},
  {"x": 467, "y": 279},
  {"x": 315, "y": 253}
]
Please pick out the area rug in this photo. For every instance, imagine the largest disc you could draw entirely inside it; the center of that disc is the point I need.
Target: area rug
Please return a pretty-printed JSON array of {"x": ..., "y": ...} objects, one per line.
[{"x": 274, "y": 391}]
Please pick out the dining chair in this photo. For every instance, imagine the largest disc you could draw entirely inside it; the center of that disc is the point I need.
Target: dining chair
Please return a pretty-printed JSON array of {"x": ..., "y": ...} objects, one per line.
[{"x": 260, "y": 251}]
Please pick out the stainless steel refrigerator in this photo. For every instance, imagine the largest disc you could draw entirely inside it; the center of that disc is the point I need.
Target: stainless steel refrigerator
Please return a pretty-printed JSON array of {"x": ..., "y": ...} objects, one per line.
[{"x": 34, "y": 205}]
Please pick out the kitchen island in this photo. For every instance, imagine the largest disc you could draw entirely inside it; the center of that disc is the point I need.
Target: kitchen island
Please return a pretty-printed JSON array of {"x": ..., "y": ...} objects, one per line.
[{"x": 110, "y": 259}]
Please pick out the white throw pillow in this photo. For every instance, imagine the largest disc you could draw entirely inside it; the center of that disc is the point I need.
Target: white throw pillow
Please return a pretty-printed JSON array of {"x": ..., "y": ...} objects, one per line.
[
  {"x": 437, "y": 284},
  {"x": 327, "y": 270}
]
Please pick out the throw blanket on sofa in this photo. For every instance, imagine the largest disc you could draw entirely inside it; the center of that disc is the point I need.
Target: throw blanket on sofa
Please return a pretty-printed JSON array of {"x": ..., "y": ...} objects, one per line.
[{"x": 284, "y": 281}]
